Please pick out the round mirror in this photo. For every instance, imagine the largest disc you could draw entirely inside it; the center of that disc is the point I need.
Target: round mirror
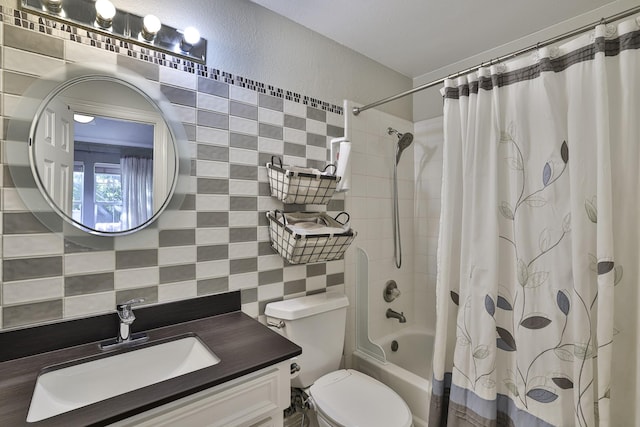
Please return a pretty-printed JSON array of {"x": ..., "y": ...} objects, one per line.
[{"x": 101, "y": 149}]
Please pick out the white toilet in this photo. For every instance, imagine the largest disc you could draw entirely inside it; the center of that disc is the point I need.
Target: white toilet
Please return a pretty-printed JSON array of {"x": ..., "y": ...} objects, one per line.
[{"x": 341, "y": 397}]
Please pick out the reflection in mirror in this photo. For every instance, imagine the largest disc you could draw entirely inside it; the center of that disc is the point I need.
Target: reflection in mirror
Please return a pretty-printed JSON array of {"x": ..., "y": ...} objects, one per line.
[
  {"x": 103, "y": 155},
  {"x": 112, "y": 170}
]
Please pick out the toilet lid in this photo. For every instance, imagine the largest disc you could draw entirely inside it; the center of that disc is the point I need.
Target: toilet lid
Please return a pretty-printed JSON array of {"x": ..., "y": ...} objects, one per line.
[{"x": 338, "y": 394}]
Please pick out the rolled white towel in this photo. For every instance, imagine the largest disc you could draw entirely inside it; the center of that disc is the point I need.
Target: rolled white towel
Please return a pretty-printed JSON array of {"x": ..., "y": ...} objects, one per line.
[
  {"x": 309, "y": 228},
  {"x": 309, "y": 225}
]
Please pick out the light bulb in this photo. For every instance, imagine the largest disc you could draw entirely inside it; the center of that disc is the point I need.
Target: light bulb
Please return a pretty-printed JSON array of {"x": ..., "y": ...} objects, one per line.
[
  {"x": 190, "y": 37},
  {"x": 105, "y": 11},
  {"x": 82, "y": 118},
  {"x": 150, "y": 27},
  {"x": 54, "y": 6}
]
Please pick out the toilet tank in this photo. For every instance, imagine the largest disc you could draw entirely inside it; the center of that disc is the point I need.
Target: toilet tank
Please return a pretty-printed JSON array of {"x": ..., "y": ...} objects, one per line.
[{"x": 317, "y": 324}]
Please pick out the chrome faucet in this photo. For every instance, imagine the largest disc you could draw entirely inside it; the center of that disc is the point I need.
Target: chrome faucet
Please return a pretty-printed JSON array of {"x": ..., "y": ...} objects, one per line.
[
  {"x": 125, "y": 313},
  {"x": 395, "y": 315},
  {"x": 126, "y": 317}
]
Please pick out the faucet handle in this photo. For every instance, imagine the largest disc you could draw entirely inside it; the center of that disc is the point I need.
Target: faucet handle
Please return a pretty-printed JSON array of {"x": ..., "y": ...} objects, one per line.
[
  {"x": 124, "y": 309},
  {"x": 391, "y": 291},
  {"x": 128, "y": 304}
]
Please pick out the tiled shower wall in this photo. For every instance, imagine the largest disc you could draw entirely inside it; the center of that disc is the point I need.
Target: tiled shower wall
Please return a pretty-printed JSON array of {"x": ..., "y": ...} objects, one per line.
[
  {"x": 370, "y": 203},
  {"x": 217, "y": 241}
]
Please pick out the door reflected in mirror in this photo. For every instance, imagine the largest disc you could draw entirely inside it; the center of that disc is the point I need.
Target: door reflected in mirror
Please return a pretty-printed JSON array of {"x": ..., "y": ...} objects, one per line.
[{"x": 103, "y": 155}]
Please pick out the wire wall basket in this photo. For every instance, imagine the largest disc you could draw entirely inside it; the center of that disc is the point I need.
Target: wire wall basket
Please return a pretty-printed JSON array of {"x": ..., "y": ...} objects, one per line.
[
  {"x": 308, "y": 237},
  {"x": 302, "y": 186}
]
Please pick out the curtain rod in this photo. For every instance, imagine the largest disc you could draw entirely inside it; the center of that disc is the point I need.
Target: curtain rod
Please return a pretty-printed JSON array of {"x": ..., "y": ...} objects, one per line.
[{"x": 621, "y": 15}]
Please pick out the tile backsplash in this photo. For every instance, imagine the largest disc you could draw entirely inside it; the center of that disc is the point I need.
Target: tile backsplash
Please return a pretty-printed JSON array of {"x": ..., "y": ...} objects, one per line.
[{"x": 217, "y": 241}]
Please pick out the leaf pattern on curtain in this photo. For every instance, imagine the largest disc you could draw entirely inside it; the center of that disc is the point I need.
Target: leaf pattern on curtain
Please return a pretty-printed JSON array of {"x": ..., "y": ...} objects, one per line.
[
  {"x": 519, "y": 382},
  {"x": 539, "y": 192},
  {"x": 522, "y": 383}
]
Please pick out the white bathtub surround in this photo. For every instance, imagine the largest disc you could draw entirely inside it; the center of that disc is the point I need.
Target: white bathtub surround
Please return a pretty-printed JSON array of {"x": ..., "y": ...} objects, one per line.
[
  {"x": 363, "y": 343},
  {"x": 540, "y": 179},
  {"x": 401, "y": 360},
  {"x": 369, "y": 202},
  {"x": 407, "y": 371}
]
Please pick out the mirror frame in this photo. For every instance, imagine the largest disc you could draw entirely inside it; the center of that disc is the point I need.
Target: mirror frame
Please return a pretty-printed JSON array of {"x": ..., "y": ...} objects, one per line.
[{"x": 24, "y": 120}]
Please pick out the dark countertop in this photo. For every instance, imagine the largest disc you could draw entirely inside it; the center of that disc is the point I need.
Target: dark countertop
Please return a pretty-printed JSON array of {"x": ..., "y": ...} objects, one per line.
[{"x": 243, "y": 345}]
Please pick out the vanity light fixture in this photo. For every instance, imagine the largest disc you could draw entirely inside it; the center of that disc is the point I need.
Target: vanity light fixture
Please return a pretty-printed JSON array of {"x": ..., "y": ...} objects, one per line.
[
  {"x": 101, "y": 18},
  {"x": 53, "y": 6},
  {"x": 105, "y": 11},
  {"x": 150, "y": 27},
  {"x": 82, "y": 118},
  {"x": 190, "y": 37}
]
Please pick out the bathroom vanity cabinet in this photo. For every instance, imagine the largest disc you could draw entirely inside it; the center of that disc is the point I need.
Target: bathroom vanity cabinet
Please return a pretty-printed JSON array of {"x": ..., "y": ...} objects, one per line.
[
  {"x": 248, "y": 387},
  {"x": 254, "y": 400}
]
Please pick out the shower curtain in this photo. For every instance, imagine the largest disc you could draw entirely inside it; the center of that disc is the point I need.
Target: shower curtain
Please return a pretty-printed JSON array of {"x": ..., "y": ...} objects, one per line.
[
  {"x": 137, "y": 191},
  {"x": 538, "y": 249}
]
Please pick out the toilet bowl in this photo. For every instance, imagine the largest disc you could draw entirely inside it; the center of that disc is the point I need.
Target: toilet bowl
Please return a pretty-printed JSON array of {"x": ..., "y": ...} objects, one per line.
[{"x": 340, "y": 397}]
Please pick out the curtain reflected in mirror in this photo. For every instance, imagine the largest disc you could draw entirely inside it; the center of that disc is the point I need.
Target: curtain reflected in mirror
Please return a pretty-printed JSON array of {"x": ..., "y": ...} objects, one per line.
[
  {"x": 137, "y": 191},
  {"x": 96, "y": 134}
]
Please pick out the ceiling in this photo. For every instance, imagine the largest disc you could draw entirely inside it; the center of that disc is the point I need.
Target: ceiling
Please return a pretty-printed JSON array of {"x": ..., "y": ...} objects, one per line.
[
  {"x": 415, "y": 37},
  {"x": 105, "y": 130}
]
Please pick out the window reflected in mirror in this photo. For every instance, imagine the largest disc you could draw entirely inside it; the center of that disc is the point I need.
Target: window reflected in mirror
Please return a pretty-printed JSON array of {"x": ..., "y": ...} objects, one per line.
[
  {"x": 104, "y": 149},
  {"x": 113, "y": 173},
  {"x": 107, "y": 166}
]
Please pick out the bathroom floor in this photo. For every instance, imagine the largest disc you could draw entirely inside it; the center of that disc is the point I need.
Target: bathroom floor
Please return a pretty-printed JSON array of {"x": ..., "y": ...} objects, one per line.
[{"x": 299, "y": 420}]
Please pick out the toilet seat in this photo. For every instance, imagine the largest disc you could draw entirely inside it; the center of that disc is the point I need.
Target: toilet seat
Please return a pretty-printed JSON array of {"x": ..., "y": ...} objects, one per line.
[{"x": 352, "y": 399}]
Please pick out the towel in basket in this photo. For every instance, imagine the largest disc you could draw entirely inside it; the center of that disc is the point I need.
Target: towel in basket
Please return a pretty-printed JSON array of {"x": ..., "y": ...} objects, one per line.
[
  {"x": 292, "y": 184},
  {"x": 306, "y": 237}
]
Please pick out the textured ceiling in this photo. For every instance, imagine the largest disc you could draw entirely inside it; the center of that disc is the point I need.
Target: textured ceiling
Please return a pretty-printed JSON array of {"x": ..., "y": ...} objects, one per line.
[{"x": 415, "y": 37}]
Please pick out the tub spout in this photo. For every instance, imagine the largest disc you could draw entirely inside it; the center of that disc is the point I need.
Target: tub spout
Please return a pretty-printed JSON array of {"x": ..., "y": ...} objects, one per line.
[{"x": 395, "y": 315}]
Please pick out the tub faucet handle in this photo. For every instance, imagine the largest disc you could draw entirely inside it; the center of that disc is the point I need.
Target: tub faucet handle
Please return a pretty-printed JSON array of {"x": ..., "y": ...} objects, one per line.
[{"x": 391, "y": 291}]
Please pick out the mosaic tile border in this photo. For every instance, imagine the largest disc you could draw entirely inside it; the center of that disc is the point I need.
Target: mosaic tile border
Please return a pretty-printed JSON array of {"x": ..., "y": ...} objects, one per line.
[{"x": 40, "y": 24}]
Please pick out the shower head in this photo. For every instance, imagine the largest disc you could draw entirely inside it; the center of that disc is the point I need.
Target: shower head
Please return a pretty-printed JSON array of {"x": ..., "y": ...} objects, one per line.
[{"x": 404, "y": 140}]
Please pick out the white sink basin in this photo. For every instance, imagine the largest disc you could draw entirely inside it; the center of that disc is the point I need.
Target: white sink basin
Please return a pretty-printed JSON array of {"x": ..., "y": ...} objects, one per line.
[{"x": 75, "y": 386}]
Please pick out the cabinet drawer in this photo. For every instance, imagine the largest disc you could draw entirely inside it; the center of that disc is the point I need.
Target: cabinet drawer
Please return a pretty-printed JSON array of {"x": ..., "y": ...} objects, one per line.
[{"x": 252, "y": 400}]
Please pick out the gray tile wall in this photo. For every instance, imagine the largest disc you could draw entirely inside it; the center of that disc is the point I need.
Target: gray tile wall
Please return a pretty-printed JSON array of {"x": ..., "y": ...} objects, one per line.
[{"x": 218, "y": 240}]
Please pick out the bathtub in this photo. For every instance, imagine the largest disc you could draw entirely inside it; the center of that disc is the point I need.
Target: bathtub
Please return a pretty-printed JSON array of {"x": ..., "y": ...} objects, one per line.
[{"x": 407, "y": 371}]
